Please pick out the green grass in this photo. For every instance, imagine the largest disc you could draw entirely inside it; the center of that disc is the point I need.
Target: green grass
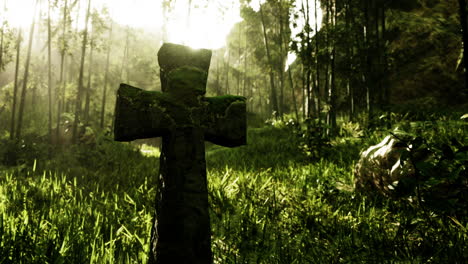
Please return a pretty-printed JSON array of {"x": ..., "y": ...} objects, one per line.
[{"x": 269, "y": 203}]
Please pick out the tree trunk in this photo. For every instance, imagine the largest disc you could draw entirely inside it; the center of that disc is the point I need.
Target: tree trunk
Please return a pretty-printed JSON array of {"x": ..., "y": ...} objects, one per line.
[
  {"x": 244, "y": 89},
  {"x": 369, "y": 92},
  {"x": 349, "y": 56},
  {"x": 60, "y": 93},
  {"x": 80, "y": 78},
  {"x": 106, "y": 78},
  {"x": 293, "y": 94},
  {"x": 227, "y": 69},
  {"x": 304, "y": 99},
  {"x": 239, "y": 53},
  {"x": 1, "y": 39},
  {"x": 26, "y": 75},
  {"x": 463, "y": 17},
  {"x": 15, "y": 87},
  {"x": 317, "y": 66},
  {"x": 273, "y": 97},
  {"x": 384, "y": 58},
  {"x": 217, "y": 84},
  {"x": 125, "y": 57},
  {"x": 283, "y": 54},
  {"x": 88, "y": 85},
  {"x": 332, "y": 111},
  {"x": 49, "y": 71}
]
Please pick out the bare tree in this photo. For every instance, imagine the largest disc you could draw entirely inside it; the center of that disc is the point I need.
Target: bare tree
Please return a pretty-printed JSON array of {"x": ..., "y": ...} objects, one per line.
[
  {"x": 464, "y": 31},
  {"x": 49, "y": 71},
  {"x": 273, "y": 97},
  {"x": 15, "y": 86},
  {"x": 80, "y": 77},
  {"x": 106, "y": 78},
  {"x": 26, "y": 75}
]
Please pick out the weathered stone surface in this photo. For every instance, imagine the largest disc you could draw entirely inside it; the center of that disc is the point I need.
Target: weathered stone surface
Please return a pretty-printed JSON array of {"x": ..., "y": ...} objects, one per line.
[
  {"x": 184, "y": 119},
  {"x": 379, "y": 168},
  {"x": 145, "y": 114},
  {"x": 173, "y": 56}
]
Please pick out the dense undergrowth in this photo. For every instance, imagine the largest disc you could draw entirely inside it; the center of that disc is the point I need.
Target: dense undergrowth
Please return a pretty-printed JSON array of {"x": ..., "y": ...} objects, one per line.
[{"x": 272, "y": 201}]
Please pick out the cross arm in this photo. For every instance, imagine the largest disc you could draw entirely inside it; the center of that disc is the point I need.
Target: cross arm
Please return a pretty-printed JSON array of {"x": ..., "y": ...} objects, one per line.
[
  {"x": 225, "y": 122},
  {"x": 141, "y": 114}
]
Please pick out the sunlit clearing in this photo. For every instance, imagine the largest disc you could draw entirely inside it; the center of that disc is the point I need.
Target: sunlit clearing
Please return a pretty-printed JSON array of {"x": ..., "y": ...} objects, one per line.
[
  {"x": 19, "y": 13},
  {"x": 298, "y": 25},
  {"x": 149, "y": 151}
]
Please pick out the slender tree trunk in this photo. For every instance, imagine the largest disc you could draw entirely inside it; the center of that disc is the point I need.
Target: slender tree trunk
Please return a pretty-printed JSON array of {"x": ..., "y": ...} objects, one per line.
[
  {"x": 33, "y": 98},
  {"x": 317, "y": 66},
  {"x": 463, "y": 17},
  {"x": 2, "y": 33},
  {"x": 332, "y": 112},
  {"x": 273, "y": 97},
  {"x": 80, "y": 78},
  {"x": 327, "y": 75},
  {"x": 217, "y": 85},
  {"x": 15, "y": 87},
  {"x": 369, "y": 94},
  {"x": 293, "y": 94},
  {"x": 106, "y": 78},
  {"x": 239, "y": 53},
  {"x": 283, "y": 54},
  {"x": 49, "y": 71},
  {"x": 349, "y": 56},
  {"x": 384, "y": 57},
  {"x": 60, "y": 93},
  {"x": 227, "y": 69},
  {"x": 378, "y": 91},
  {"x": 26, "y": 75},
  {"x": 127, "y": 56},
  {"x": 88, "y": 85},
  {"x": 304, "y": 99},
  {"x": 244, "y": 89},
  {"x": 327, "y": 72}
]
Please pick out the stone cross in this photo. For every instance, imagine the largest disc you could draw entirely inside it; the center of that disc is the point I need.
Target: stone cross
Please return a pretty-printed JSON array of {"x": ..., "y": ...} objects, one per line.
[{"x": 184, "y": 118}]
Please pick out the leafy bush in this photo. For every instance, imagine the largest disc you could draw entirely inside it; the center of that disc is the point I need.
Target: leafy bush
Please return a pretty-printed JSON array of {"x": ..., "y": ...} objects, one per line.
[{"x": 441, "y": 174}]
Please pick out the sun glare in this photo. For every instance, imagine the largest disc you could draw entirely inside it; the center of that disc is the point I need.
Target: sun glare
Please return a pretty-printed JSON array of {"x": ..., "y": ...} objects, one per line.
[
  {"x": 207, "y": 26},
  {"x": 19, "y": 13}
]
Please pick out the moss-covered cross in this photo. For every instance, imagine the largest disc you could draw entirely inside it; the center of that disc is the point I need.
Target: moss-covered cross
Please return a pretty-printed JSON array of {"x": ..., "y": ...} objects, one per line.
[{"x": 184, "y": 118}]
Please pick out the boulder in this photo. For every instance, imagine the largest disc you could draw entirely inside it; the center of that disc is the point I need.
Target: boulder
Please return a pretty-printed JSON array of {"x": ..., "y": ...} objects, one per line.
[{"x": 380, "y": 168}]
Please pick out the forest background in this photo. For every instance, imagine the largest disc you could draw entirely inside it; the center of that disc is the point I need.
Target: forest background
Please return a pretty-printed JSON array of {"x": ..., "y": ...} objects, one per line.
[{"x": 330, "y": 76}]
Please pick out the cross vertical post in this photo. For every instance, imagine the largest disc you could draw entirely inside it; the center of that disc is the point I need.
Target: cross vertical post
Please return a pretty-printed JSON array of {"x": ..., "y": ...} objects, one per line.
[{"x": 184, "y": 118}]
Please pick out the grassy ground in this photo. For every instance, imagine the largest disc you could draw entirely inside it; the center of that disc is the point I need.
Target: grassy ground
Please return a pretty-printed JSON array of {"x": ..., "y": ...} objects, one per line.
[{"x": 270, "y": 203}]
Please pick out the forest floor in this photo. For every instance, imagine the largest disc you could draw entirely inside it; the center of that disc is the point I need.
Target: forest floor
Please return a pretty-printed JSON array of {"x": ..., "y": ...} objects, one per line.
[{"x": 270, "y": 202}]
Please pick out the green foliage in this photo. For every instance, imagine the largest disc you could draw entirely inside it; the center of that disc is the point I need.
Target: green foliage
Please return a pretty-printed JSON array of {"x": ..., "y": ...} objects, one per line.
[
  {"x": 314, "y": 140},
  {"x": 440, "y": 181},
  {"x": 91, "y": 214},
  {"x": 269, "y": 202}
]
